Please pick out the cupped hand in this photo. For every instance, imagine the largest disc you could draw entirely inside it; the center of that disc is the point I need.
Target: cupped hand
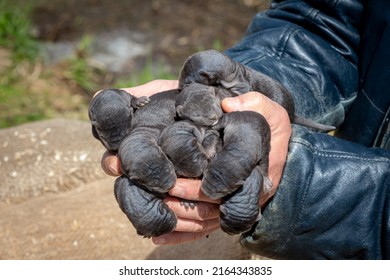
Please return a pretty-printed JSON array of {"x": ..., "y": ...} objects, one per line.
[
  {"x": 189, "y": 227},
  {"x": 192, "y": 224},
  {"x": 204, "y": 218},
  {"x": 280, "y": 125}
]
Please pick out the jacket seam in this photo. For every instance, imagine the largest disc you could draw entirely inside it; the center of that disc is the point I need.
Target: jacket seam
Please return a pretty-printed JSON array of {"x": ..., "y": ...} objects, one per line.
[
  {"x": 348, "y": 156},
  {"x": 371, "y": 102},
  {"x": 335, "y": 154},
  {"x": 287, "y": 34}
]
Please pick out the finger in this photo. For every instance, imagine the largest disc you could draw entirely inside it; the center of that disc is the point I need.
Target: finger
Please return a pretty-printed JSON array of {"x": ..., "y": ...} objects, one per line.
[
  {"x": 202, "y": 211},
  {"x": 153, "y": 87},
  {"x": 177, "y": 237},
  {"x": 250, "y": 100},
  {"x": 280, "y": 125},
  {"x": 184, "y": 225},
  {"x": 96, "y": 93},
  {"x": 190, "y": 189},
  {"x": 111, "y": 164},
  {"x": 253, "y": 101},
  {"x": 278, "y": 153}
]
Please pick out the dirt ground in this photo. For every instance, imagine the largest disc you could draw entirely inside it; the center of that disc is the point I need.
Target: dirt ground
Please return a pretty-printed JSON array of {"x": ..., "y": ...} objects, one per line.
[
  {"x": 82, "y": 220},
  {"x": 56, "y": 202}
]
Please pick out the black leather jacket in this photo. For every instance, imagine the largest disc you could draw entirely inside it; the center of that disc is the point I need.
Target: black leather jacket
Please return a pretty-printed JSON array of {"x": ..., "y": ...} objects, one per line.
[{"x": 333, "y": 201}]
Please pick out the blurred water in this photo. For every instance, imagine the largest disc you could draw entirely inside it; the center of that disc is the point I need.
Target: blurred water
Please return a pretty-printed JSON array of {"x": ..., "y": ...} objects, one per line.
[{"x": 109, "y": 51}]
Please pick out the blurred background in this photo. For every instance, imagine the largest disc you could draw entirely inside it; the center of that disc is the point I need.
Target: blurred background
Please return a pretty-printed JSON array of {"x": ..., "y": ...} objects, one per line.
[
  {"x": 55, "y": 54},
  {"x": 55, "y": 200}
]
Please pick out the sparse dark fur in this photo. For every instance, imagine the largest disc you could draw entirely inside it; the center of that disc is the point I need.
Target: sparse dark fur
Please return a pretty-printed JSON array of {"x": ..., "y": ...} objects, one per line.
[
  {"x": 246, "y": 144},
  {"x": 145, "y": 210},
  {"x": 184, "y": 133},
  {"x": 157, "y": 147},
  {"x": 141, "y": 157},
  {"x": 239, "y": 171},
  {"x": 134, "y": 135},
  {"x": 240, "y": 209},
  {"x": 201, "y": 103},
  {"x": 110, "y": 113},
  {"x": 213, "y": 68},
  {"x": 189, "y": 147}
]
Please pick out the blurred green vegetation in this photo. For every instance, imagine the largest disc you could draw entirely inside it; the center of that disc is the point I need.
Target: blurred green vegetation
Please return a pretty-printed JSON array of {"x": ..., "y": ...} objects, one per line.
[
  {"x": 19, "y": 52},
  {"x": 151, "y": 71},
  {"x": 30, "y": 90},
  {"x": 15, "y": 28},
  {"x": 77, "y": 70}
]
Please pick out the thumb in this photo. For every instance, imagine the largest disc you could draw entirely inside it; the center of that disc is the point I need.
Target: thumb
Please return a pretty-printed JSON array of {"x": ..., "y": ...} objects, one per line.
[{"x": 251, "y": 101}]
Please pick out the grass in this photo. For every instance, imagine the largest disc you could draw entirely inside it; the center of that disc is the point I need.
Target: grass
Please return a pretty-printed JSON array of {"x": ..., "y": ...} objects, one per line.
[
  {"x": 15, "y": 26},
  {"x": 19, "y": 53},
  {"x": 77, "y": 69},
  {"x": 27, "y": 94},
  {"x": 16, "y": 107}
]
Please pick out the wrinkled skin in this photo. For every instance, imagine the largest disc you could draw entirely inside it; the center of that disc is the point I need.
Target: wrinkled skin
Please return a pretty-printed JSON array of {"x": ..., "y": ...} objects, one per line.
[
  {"x": 201, "y": 103},
  {"x": 182, "y": 143},
  {"x": 142, "y": 160},
  {"x": 145, "y": 210},
  {"x": 229, "y": 169},
  {"x": 110, "y": 113},
  {"x": 227, "y": 172},
  {"x": 213, "y": 68},
  {"x": 134, "y": 135},
  {"x": 189, "y": 147},
  {"x": 159, "y": 113},
  {"x": 239, "y": 172},
  {"x": 241, "y": 209}
]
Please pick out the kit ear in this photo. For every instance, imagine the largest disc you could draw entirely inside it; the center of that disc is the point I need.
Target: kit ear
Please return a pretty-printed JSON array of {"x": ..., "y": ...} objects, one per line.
[{"x": 209, "y": 77}]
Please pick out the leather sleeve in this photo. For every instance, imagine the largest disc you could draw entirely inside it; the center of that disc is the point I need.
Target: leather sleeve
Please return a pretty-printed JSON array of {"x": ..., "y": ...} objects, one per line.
[
  {"x": 311, "y": 48},
  {"x": 333, "y": 200}
]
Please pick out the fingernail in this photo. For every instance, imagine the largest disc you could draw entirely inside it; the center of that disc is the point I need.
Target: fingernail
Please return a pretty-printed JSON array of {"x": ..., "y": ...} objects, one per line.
[
  {"x": 230, "y": 103},
  {"x": 115, "y": 169},
  {"x": 112, "y": 165},
  {"x": 177, "y": 191},
  {"x": 159, "y": 240}
]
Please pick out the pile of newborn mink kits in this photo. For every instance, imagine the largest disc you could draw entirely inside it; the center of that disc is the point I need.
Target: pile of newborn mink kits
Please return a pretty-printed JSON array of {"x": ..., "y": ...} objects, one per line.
[{"x": 185, "y": 133}]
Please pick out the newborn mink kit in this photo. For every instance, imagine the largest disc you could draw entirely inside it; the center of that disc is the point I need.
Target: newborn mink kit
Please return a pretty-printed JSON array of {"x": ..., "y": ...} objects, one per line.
[{"x": 184, "y": 133}]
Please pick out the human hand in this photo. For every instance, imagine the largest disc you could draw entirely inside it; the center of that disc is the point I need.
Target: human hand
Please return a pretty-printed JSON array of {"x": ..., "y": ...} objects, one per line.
[
  {"x": 192, "y": 224},
  {"x": 280, "y": 125},
  {"x": 199, "y": 222},
  {"x": 203, "y": 219}
]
